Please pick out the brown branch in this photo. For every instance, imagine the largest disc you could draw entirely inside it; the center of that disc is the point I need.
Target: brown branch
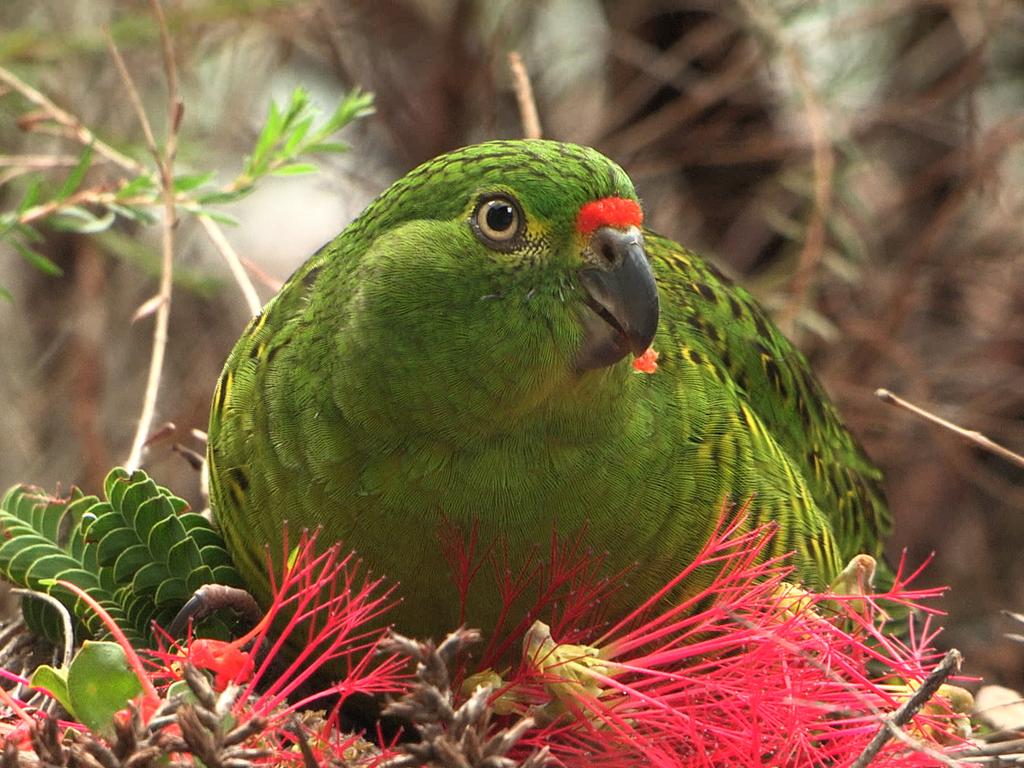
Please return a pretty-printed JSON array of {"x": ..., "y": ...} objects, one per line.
[
  {"x": 894, "y": 723},
  {"x": 968, "y": 434},
  {"x": 35, "y": 162},
  {"x": 1013, "y": 748},
  {"x": 164, "y": 162},
  {"x": 72, "y": 124},
  {"x": 865, "y": 700},
  {"x": 71, "y": 127},
  {"x": 822, "y": 160},
  {"x": 91, "y": 196},
  {"x": 524, "y": 95},
  {"x": 234, "y": 262}
]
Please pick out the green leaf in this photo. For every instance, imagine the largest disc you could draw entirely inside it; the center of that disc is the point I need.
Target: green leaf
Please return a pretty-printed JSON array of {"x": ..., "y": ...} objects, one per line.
[
  {"x": 223, "y": 197},
  {"x": 293, "y": 144},
  {"x": 165, "y": 534},
  {"x": 356, "y": 104},
  {"x": 295, "y": 169},
  {"x": 74, "y": 179},
  {"x": 137, "y": 493},
  {"x": 149, "y": 513},
  {"x": 56, "y": 682},
  {"x": 132, "y": 213},
  {"x": 324, "y": 147},
  {"x": 100, "y": 682},
  {"x": 25, "y": 557},
  {"x": 267, "y": 139},
  {"x": 219, "y": 217},
  {"x": 80, "y": 220},
  {"x": 138, "y": 186},
  {"x": 185, "y": 554},
  {"x": 37, "y": 259},
  {"x": 129, "y": 562},
  {"x": 136, "y": 554},
  {"x": 172, "y": 591},
  {"x": 198, "y": 577},
  {"x": 149, "y": 577},
  {"x": 114, "y": 543},
  {"x": 188, "y": 182},
  {"x": 114, "y": 476},
  {"x": 52, "y": 565},
  {"x": 32, "y": 195}
]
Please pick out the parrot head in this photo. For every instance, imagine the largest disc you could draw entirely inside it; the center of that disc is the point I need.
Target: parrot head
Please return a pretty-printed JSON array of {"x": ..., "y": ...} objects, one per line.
[{"x": 497, "y": 277}]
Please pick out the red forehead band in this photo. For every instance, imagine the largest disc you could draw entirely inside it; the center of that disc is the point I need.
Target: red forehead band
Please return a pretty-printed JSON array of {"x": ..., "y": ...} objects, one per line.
[{"x": 615, "y": 212}]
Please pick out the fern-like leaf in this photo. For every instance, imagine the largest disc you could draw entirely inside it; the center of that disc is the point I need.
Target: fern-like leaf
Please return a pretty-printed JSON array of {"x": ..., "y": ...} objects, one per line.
[{"x": 140, "y": 552}]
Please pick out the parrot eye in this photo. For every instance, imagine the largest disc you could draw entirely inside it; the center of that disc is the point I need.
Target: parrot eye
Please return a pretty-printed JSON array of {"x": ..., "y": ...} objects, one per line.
[{"x": 497, "y": 221}]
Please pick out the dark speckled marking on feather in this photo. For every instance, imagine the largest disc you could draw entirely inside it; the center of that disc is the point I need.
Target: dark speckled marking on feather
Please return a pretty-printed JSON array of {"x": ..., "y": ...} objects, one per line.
[
  {"x": 707, "y": 292},
  {"x": 309, "y": 279}
]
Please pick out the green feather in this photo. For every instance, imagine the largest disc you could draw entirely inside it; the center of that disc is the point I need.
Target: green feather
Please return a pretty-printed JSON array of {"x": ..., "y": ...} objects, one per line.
[{"x": 409, "y": 375}]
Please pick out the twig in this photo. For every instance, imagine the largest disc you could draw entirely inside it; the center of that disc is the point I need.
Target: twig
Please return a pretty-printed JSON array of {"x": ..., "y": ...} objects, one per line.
[
  {"x": 85, "y": 137},
  {"x": 524, "y": 95},
  {"x": 33, "y": 162},
  {"x": 894, "y": 723},
  {"x": 91, "y": 196},
  {"x": 968, "y": 434},
  {"x": 265, "y": 278},
  {"x": 822, "y": 160},
  {"x": 81, "y": 134},
  {"x": 216, "y": 235},
  {"x": 903, "y": 736},
  {"x": 164, "y": 161},
  {"x": 993, "y": 749}
]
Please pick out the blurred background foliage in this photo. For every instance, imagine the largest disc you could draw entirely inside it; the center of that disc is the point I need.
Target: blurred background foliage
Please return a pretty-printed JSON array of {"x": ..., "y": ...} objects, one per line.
[{"x": 858, "y": 163}]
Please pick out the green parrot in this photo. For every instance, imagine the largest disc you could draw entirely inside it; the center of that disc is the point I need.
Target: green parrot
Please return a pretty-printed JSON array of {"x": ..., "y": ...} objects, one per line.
[{"x": 466, "y": 352}]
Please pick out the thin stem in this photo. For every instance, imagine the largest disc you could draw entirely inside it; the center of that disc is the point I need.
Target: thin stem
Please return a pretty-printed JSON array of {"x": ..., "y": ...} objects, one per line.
[
  {"x": 894, "y": 723},
  {"x": 80, "y": 133},
  {"x": 131, "y": 656},
  {"x": 968, "y": 434},
  {"x": 524, "y": 95},
  {"x": 34, "y": 162},
  {"x": 85, "y": 137},
  {"x": 234, "y": 262},
  {"x": 65, "y": 620},
  {"x": 164, "y": 162},
  {"x": 92, "y": 196},
  {"x": 822, "y": 160}
]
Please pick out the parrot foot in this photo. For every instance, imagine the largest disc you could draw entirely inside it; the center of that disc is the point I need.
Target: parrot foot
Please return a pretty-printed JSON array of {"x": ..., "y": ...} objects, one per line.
[{"x": 211, "y": 598}]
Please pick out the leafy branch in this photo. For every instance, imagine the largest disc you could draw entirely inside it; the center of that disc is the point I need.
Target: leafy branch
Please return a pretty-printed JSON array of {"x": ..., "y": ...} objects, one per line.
[{"x": 289, "y": 133}]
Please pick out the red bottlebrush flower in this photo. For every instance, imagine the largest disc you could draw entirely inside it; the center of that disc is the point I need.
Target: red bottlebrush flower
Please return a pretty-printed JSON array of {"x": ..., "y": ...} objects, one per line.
[
  {"x": 647, "y": 362},
  {"x": 323, "y": 615},
  {"x": 747, "y": 672},
  {"x": 564, "y": 581},
  {"x": 228, "y": 663},
  {"x": 328, "y": 615}
]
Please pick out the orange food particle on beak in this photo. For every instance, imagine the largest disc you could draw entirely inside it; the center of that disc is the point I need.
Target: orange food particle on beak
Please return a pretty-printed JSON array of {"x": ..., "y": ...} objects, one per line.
[{"x": 647, "y": 362}]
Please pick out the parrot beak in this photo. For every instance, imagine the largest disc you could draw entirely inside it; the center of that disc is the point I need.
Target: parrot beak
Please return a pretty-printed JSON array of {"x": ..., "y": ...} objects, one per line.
[{"x": 622, "y": 296}]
